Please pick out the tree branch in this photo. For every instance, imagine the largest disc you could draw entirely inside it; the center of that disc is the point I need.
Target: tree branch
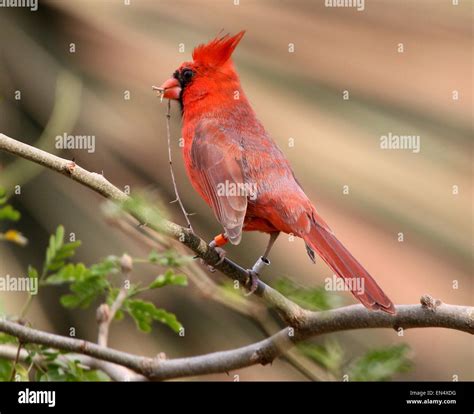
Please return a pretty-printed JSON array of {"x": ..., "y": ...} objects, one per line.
[
  {"x": 289, "y": 311},
  {"x": 105, "y": 313},
  {"x": 303, "y": 324},
  {"x": 255, "y": 311},
  {"x": 316, "y": 323}
]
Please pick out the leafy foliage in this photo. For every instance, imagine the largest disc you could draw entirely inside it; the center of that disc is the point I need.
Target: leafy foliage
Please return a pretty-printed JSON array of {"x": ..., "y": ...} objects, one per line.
[
  {"x": 5, "y": 370},
  {"x": 58, "y": 252},
  {"x": 381, "y": 364},
  {"x": 144, "y": 313},
  {"x": 69, "y": 371},
  {"x": 84, "y": 292},
  {"x": 168, "y": 258},
  {"x": 9, "y": 213},
  {"x": 7, "y": 339},
  {"x": 329, "y": 355},
  {"x": 169, "y": 278},
  {"x": 87, "y": 284}
]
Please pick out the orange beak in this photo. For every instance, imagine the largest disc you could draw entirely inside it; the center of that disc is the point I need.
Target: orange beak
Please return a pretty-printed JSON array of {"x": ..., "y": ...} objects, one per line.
[{"x": 171, "y": 89}]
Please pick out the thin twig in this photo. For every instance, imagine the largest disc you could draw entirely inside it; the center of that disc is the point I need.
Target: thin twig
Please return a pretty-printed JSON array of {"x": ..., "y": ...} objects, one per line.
[
  {"x": 15, "y": 363},
  {"x": 106, "y": 314},
  {"x": 176, "y": 192}
]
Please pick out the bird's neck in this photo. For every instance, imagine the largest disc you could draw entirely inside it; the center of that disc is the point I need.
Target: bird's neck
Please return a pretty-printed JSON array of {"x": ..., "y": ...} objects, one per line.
[
  {"x": 227, "y": 104},
  {"x": 208, "y": 101}
]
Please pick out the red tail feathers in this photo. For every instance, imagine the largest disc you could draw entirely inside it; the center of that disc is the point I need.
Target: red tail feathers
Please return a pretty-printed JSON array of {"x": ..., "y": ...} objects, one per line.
[{"x": 362, "y": 285}]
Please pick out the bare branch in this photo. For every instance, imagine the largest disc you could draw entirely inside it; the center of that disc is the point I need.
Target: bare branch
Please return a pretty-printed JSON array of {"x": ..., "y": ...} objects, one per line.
[
  {"x": 316, "y": 323},
  {"x": 106, "y": 314},
  {"x": 255, "y": 311}
]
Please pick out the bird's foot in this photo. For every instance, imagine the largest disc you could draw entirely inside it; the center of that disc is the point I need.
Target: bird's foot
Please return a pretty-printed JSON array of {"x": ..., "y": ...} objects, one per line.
[
  {"x": 222, "y": 254},
  {"x": 253, "y": 274},
  {"x": 252, "y": 282}
]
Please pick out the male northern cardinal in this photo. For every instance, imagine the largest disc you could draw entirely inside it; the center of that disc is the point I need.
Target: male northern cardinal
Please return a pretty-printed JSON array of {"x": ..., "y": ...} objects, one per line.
[{"x": 240, "y": 172}]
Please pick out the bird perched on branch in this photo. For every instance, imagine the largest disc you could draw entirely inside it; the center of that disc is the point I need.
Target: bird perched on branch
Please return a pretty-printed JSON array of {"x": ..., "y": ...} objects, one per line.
[{"x": 240, "y": 172}]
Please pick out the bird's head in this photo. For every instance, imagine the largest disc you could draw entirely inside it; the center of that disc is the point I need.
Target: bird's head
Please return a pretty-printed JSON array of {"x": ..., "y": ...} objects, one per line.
[{"x": 208, "y": 72}]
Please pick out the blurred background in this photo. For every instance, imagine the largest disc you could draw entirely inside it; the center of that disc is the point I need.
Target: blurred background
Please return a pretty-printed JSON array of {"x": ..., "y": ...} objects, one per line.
[{"x": 86, "y": 68}]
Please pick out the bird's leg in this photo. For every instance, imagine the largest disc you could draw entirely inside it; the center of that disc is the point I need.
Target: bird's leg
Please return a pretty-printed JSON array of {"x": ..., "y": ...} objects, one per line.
[
  {"x": 262, "y": 261},
  {"x": 216, "y": 243}
]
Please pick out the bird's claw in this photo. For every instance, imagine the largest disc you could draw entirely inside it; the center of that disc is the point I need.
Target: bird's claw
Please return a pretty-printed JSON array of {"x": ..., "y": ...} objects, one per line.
[
  {"x": 253, "y": 273},
  {"x": 222, "y": 254},
  {"x": 252, "y": 282}
]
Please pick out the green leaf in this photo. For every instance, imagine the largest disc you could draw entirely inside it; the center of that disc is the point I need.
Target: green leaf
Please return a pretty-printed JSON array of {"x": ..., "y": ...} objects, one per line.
[
  {"x": 61, "y": 255},
  {"x": 7, "y": 339},
  {"x": 144, "y": 313},
  {"x": 5, "y": 370},
  {"x": 110, "y": 265},
  {"x": 381, "y": 364},
  {"x": 59, "y": 239},
  {"x": 9, "y": 213},
  {"x": 68, "y": 274},
  {"x": 21, "y": 373},
  {"x": 119, "y": 315},
  {"x": 70, "y": 371},
  {"x": 57, "y": 252},
  {"x": 49, "y": 355},
  {"x": 169, "y": 278},
  {"x": 94, "y": 375},
  {"x": 32, "y": 272},
  {"x": 86, "y": 283},
  {"x": 168, "y": 258},
  {"x": 85, "y": 291},
  {"x": 309, "y": 298},
  {"x": 330, "y": 355}
]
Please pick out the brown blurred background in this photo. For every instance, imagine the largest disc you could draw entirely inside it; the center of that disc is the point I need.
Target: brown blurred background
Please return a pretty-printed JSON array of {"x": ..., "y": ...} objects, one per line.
[{"x": 298, "y": 95}]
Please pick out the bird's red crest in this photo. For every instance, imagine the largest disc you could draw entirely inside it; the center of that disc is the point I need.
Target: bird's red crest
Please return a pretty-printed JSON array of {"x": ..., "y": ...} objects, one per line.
[{"x": 218, "y": 51}]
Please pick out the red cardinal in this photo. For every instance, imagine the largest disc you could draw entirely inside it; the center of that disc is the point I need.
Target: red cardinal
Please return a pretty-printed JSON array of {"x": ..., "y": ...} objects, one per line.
[{"x": 240, "y": 172}]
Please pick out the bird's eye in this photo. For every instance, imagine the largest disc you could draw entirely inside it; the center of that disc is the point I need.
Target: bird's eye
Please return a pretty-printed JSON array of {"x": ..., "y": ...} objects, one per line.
[{"x": 187, "y": 75}]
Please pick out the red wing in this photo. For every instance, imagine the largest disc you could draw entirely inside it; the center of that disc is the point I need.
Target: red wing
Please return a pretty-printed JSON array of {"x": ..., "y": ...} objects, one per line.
[{"x": 217, "y": 160}]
